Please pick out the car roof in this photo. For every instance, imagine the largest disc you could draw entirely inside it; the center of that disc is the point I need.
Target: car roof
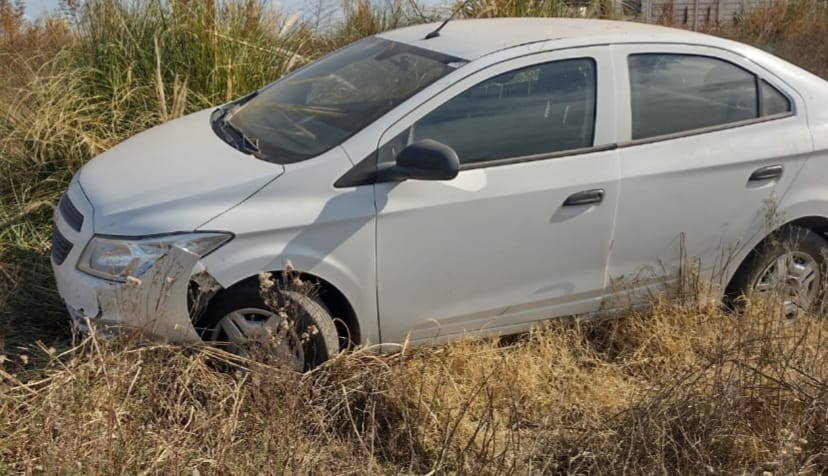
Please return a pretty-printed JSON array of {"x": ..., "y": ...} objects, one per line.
[{"x": 471, "y": 39}]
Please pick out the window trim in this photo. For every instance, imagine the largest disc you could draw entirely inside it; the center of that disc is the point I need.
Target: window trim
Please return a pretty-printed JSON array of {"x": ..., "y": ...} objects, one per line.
[
  {"x": 546, "y": 155},
  {"x": 705, "y": 130},
  {"x": 537, "y": 157},
  {"x": 761, "y": 99},
  {"x": 626, "y": 144},
  {"x": 757, "y": 78},
  {"x": 364, "y": 172}
]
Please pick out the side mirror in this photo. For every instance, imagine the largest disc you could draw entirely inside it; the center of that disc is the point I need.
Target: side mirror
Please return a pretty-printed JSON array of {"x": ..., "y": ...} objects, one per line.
[
  {"x": 422, "y": 160},
  {"x": 426, "y": 160}
]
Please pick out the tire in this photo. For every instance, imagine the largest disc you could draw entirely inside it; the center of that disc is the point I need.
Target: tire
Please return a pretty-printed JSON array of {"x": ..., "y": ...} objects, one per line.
[
  {"x": 799, "y": 254},
  {"x": 240, "y": 321}
]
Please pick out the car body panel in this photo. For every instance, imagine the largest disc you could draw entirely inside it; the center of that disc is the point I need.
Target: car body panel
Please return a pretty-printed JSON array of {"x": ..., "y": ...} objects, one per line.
[
  {"x": 512, "y": 258},
  {"x": 305, "y": 222},
  {"x": 692, "y": 195},
  {"x": 155, "y": 305},
  {"x": 463, "y": 39},
  {"x": 76, "y": 292},
  {"x": 173, "y": 177}
]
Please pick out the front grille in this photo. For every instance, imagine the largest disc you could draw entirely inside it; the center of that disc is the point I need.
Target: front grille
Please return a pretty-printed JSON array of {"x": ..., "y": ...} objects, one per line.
[
  {"x": 70, "y": 213},
  {"x": 60, "y": 247}
]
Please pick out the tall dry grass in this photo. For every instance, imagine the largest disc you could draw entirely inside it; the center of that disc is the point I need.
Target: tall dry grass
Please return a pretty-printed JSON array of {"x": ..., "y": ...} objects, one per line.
[
  {"x": 537, "y": 8},
  {"x": 673, "y": 390},
  {"x": 794, "y": 30},
  {"x": 144, "y": 52},
  {"x": 361, "y": 18}
]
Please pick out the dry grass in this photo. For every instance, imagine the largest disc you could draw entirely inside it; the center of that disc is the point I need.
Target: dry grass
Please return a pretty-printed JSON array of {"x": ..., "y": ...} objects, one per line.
[
  {"x": 674, "y": 390},
  {"x": 794, "y": 30}
]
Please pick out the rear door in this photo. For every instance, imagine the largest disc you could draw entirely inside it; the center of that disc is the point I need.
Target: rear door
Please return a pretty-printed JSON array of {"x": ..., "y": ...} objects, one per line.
[
  {"x": 710, "y": 142},
  {"x": 523, "y": 232}
]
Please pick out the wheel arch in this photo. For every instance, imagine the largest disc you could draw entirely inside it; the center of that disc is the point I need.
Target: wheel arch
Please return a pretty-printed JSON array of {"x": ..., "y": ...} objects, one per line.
[
  {"x": 334, "y": 300},
  {"x": 815, "y": 223}
]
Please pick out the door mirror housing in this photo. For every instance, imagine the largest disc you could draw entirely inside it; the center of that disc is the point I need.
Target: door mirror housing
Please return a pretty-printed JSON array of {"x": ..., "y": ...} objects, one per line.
[{"x": 424, "y": 160}]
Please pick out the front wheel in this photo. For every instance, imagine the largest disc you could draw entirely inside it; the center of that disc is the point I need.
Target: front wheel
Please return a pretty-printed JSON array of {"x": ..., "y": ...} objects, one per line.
[
  {"x": 298, "y": 332},
  {"x": 790, "y": 266}
]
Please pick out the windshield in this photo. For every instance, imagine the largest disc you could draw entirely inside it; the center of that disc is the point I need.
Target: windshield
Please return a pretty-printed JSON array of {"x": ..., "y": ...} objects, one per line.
[{"x": 326, "y": 102}]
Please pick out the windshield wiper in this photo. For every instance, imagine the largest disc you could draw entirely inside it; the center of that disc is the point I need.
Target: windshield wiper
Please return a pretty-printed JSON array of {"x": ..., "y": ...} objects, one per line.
[
  {"x": 243, "y": 142},
  {"x": 230, "y": 132}
]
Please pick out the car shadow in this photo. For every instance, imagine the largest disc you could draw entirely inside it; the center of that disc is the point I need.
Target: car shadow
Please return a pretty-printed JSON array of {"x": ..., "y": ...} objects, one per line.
[
  {"x": 340, "y": 218},
  {"x": 31, "y": 310}
]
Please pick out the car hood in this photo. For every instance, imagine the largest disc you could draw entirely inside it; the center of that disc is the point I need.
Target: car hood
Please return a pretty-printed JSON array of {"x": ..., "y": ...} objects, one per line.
[{"x": 173, "y": 177}]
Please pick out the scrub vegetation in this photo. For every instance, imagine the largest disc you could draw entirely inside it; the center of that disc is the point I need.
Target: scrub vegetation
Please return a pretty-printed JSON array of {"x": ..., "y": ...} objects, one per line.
[{"x": 683, "y": 387}]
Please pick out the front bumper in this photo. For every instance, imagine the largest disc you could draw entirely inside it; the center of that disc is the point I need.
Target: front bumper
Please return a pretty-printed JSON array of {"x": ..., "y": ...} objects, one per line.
[{"x": 154, "y": 304}]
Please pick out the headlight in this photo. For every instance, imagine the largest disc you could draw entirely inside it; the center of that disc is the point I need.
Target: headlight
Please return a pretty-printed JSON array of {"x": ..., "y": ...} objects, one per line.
[{"x": 117, "y": 258}]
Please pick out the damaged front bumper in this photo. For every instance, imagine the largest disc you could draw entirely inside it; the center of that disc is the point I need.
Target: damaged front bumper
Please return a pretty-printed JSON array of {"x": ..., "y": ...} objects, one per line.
[
  {"x": 159, "y": 302},
  {"x": 154, "y": 304}
]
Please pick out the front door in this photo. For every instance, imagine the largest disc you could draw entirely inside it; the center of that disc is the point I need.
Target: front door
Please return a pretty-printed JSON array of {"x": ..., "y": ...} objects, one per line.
[{"x": 523, "y": 232}]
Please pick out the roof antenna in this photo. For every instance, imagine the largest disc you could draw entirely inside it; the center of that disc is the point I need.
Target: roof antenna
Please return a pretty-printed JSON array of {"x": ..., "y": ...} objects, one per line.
[{"x": 436, "y": 33}]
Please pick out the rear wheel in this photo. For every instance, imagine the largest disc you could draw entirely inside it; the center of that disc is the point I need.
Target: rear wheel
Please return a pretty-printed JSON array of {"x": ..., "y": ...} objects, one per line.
[
  {"x": 298, "y": 332},
  {"x": 789, "y": 266}
]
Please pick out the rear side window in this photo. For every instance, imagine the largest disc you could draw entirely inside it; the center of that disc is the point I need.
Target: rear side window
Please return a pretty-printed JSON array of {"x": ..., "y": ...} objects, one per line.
[
  {"x": 676, "y": 93},
  {"x": 530, "y": 111},
  {"x": 773, "y": 101}
]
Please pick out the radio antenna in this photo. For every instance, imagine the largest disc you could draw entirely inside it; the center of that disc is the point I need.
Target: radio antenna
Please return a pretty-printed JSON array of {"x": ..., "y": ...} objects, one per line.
[{"x": 436, "y": 33}]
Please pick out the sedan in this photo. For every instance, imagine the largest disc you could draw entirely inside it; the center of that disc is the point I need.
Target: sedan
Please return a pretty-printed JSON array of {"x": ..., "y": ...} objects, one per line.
[{"x": 447, "y": 180}]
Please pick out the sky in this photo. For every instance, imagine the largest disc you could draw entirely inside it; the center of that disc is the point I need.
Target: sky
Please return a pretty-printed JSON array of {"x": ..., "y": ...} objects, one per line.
[{"x": 35, "y": 8}]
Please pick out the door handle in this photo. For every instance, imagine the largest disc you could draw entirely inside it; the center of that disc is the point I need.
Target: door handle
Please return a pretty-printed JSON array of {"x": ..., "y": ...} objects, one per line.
[
  {"x": 771, "y": 172},
  {"x": 587, "y": 197}
]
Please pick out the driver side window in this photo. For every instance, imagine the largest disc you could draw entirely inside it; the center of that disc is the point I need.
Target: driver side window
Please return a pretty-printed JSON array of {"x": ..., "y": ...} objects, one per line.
[{"x": 537, "y": 110}]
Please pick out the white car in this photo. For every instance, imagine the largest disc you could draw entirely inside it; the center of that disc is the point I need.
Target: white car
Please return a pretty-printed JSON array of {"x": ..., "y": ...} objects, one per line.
[{"x": 476, "y": 180}]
